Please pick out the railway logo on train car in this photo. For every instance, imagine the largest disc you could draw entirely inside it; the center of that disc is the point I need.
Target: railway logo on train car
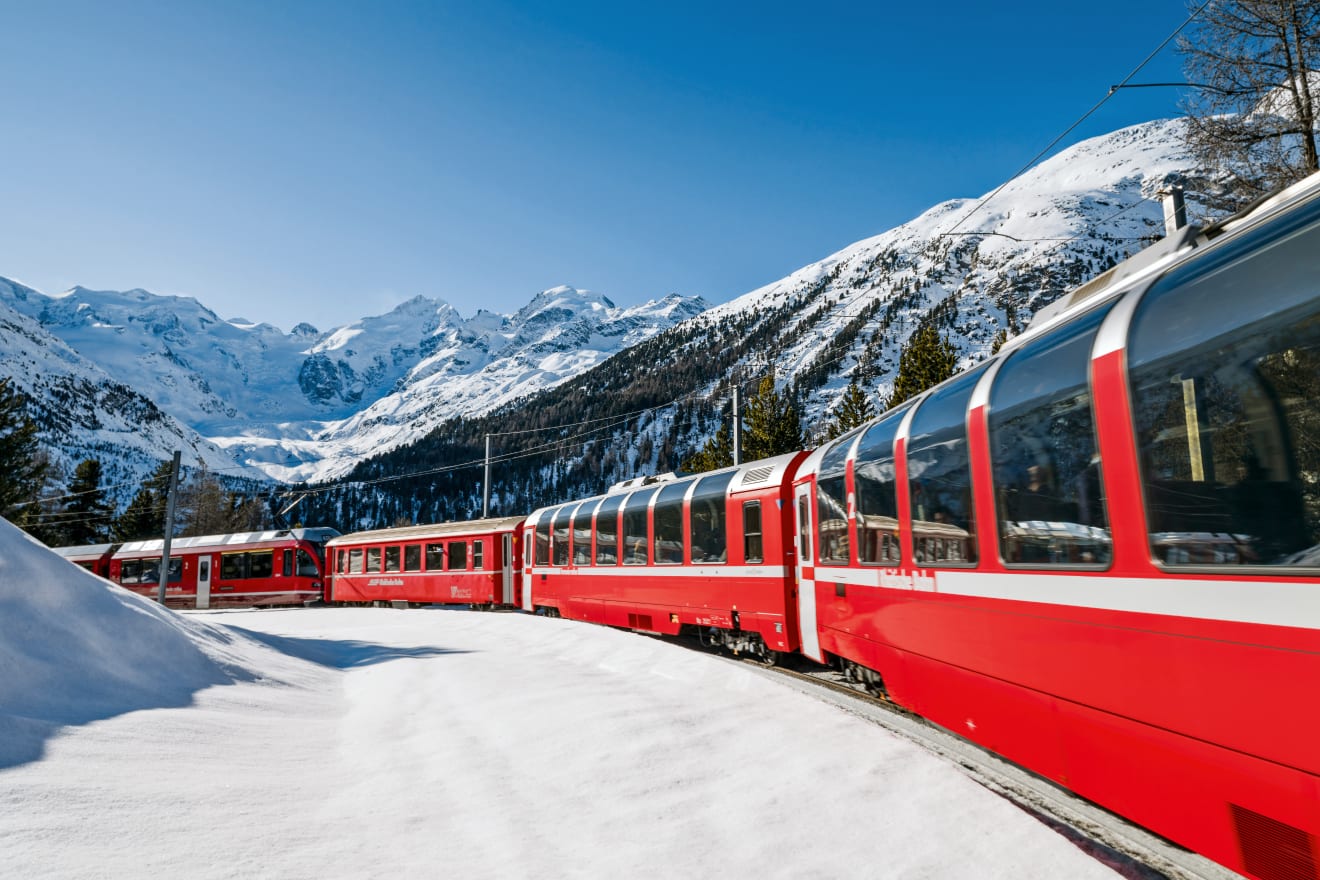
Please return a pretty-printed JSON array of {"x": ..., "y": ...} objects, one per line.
[
  {"x": 385, "y": 582},
  {"x": 899, "y": 580}
]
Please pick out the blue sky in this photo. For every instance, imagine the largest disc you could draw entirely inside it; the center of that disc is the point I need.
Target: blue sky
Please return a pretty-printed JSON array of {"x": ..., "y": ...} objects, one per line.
[{"x": 324, "y": 161}]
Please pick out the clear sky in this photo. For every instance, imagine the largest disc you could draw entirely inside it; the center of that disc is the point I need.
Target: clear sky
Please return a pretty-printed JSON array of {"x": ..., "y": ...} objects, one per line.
[{"x": 289, "y": 161}]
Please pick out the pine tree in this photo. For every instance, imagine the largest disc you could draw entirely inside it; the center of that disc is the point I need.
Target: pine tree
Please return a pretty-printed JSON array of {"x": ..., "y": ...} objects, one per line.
[
  {"x": 854, "y": 409},
  {"x": 87, "y": 515},
  {"x": 926, "y": 361},
  {"x": 715, "y": 454},
  {"x": 774, "y": 426},
  {"x": 144, "y": 517},
  {"x": 22, "y": 469}
]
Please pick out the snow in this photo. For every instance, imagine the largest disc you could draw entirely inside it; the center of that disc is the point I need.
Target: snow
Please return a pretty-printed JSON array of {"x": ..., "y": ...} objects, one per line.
[{"x": 135, "y": 742}]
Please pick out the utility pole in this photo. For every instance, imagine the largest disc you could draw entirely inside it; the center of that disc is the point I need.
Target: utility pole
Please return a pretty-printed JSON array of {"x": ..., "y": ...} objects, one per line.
[
  {"x": 737, "y": 428},
  {"x": 169, "y": 529},
  {"x": 485, "y": 484}
]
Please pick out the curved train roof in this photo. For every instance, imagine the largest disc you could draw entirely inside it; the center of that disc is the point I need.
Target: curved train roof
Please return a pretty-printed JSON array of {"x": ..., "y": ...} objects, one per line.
[
  {"x": 436, "y": 530},
  {"x": 237, "y": 538}
]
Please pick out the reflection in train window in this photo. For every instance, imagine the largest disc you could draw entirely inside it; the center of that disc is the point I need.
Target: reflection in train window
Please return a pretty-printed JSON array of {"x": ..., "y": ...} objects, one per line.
[
  {"x": 832, "y": 501},
  {"x": 752, "y": 548},
  {"x": 940, "y": 476},
  {"x": 634, "y": 527},
  {"x": 559, "y": 536},
  {"x": 707, "y": 513},
  {"x": 1048, "y": 489},
  {"x": 607, "y": 530},
  {"x": 582, "y": 533},
  {"x": 876, "y": 479},
  {"x": 668, "y": 519},
  {"x": 1225, "y": 373},
  {"x": 542, "y": 540}
]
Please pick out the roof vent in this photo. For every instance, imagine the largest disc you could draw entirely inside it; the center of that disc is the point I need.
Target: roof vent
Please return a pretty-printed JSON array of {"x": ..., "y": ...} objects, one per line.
[{"x": 757, "y": 475}]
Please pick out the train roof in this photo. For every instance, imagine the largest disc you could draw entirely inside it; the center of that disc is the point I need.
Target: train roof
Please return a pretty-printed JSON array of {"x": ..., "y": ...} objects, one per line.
[
  {"x": 435, "y": 530},
  {"x": 237, "y": 538},
  {"x": 85, "y": 551}
]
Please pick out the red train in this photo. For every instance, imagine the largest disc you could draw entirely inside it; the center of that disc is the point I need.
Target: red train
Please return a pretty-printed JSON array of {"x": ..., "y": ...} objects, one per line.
[
  {"x": 285, "y": 567},
  {"x": 1096, "y": 553},
  {"x": 472, "y": 563}
]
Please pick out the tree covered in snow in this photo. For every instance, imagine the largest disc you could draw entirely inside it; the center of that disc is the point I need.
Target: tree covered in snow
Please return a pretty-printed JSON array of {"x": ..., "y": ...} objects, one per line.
[
  {"x": 22, "y": 468},
  {"x": 854, "y": 409},
  {"x": 774, "y": 425}
]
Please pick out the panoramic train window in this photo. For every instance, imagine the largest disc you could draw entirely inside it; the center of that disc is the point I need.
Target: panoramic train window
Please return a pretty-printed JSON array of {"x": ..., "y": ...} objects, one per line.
[
  {"x": 582, "y": 533},
  {"x": 607, "y": 530},
  {"x": 940, "y": 476},
  {"x": 392, "y": 558},
  {"x": 412, "y": 557},
  {"x": 354, "y": 562},
  {"x": 634, "y": 527},
  {"x": 457, "y": 553},
  {"x": 1048, "y": 493},
  {"x": 435, "y": 557},
  {"x": 478, "y": 554},
  {"x": 543, "y": 539},
  {"x": 832, "y": 501},
  {"x": 1224, "y": 368},
  {"x": 875, "y": 478},
  {"x": 753, "y": 551},
  {"x": 709, "y": 532},
  {"x": 559, "y": 532},
  {"x": 668, "y": 518}
]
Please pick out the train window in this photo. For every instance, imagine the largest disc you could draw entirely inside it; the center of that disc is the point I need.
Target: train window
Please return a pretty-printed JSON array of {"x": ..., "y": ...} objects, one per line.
[
  {"x": 543, "y": 540},
  {"x": 708, "y": 517},
  {"x": 1048, "y": 492},
  {"x": 753, "y": 551},
  {"x": 1224, "y": 365},
  {"x": 940, "y": 476},
  {"x": 233, "y": 566},
  {"x": 354, "y": 562},
  {"x": 262, "y": 564},
  {"x": 392, "y": 558},
  {"x": 130, "y": 571},
  {"x": 288, "y": 562},
  {"x": 306, "y": 565},
  {"x": 634, "y": 527},
  {"x": 373, "y": 559},
  {"x": 457, "y": 556},
  {"x": 412, "y": 557},
  {"x": 607, "y": 530},
  {"x": 340, "y": 561},
  {"x": 582, "y": 533},
  {"x": 668, "y": 519},
  {"x": 832, "y": 501},
  {"x": 875, "y": 479},
  {"x": 559, "y": 532},
  {"x": 478, "y": 555},
  {"x": 435, "y": 557}
]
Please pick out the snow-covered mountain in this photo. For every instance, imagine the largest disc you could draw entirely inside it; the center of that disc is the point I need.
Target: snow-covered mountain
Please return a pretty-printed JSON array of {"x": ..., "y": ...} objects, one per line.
[{"x": 306, "y": 404}]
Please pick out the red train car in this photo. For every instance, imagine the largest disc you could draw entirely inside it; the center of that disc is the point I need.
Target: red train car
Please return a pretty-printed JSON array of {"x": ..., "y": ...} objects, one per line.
[
  {"x": 285, "y": 567},
  {"x": 707, "y": 554},
  {"x": 93, "y": 557},
  {"x": 468, "y": 563},
  {"x": 1097, "y": 554}
]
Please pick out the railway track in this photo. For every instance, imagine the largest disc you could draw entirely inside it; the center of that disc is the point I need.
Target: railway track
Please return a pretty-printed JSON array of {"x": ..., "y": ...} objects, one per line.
[{"x": 1130, "y": 850}]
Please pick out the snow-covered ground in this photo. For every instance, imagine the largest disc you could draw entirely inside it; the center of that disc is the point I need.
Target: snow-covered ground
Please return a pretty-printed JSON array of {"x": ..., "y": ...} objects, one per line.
[{"x": 350, "y": 743}]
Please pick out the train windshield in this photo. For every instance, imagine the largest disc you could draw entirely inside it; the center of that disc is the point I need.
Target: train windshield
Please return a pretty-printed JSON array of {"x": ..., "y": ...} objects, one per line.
[{"x": 1224, "y": 358}]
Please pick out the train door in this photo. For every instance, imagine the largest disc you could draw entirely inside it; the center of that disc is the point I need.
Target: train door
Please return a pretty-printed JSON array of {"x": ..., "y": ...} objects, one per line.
[
  {"x": 506, "y": 557},
  {"x": 529, "y": 543},
  {"x": 805, "y": 573},
  {"x": 204, "y": 581}
]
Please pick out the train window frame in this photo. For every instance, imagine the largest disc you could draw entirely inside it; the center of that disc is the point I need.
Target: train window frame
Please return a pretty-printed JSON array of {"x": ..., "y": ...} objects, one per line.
[
  {"x": 1082, "y": 332},
  {"x": 541, "y": 539},
  {"x": 637, "y": 506},
  {"x": 393, "y": 561},
  {"x": 478, "y": 554},
  {"x": 581, "y": 526},
  {"x": 891, "y": 423},
  {"x": 609, "y": 505},
  {"x": 671, "y": 499},
  {"x": 233, "y": 566},
  {"x": 372, "y": 562},
  {"x": 748, "y": 557},
  {"x": 456, "y": 556},
  {"x": 833, "y": 470},
  {"x": 435, "y": 552},
  {"x": 712, "y": 492},
  {"x": 1283, "y": 273},
  {"x": 305, "y": 564},
  {"x": 288, "y": 562},
  {"x": 412, "y": 557},
  {"x": 261, "y": 564},
  {"x": 963, "y": 385},
  {"x": 562, "y": 522},
  {"x": 355, "y": 559}
]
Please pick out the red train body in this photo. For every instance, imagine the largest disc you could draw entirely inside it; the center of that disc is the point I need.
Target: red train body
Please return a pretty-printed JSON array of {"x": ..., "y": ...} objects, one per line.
[
  {"x": 709, "y": 554},
  {"x": 285, "y": 567},
  {"x": 471, "y": 563},
  {"x": 93, "y": 557}
]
